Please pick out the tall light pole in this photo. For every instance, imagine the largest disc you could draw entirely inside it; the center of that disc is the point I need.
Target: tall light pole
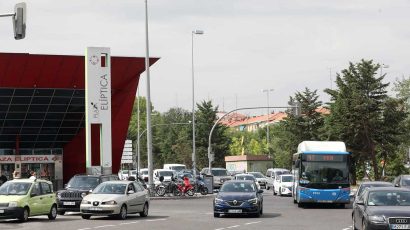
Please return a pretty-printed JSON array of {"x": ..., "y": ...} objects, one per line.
[
  {"x": 148, "y": 103},
  {"x": 138, "y": 133},
  {"x": 267, "y": 119},
  {"x": 194, "y": 32}
]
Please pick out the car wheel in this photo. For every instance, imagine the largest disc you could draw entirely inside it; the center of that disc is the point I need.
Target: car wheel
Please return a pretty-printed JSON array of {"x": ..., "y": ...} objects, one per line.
[
  {"x": 353, "y": 223},
  {"x": 216, "y": 214},
  {"x": 86, "y": 217},
  {"x": 364, "y": 225},
  {"x": 24, "y": 216},
  {"x": 123, "y": 213},
  {"x": 160, "y": 191},
  {"x": 53, "y": 213},
  {"x": 61, "y": 213},
  {"x": 144, "y": 212}
]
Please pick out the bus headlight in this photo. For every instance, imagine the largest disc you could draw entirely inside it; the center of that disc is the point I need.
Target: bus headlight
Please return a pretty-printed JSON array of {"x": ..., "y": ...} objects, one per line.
[{"x": 377, "y": 219}]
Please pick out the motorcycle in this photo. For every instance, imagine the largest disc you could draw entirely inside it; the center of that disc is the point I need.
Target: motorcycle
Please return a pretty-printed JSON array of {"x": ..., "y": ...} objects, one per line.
[
  {"x": 166, "y": 188},
  {"x": 182, "y": 189},
  {"x": 200, "y": 187}
]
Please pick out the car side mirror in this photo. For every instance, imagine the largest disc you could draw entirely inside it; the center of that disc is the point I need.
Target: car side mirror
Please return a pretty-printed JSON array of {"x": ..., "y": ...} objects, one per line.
[
  {"x": 260, "y": 191},
  {"x": 130, "y": 192},
  {"x": 360, "y": 202}
]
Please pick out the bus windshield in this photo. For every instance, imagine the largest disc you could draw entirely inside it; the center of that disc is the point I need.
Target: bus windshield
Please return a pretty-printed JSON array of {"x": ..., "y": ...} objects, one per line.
[{"x": 322, "y": 173}]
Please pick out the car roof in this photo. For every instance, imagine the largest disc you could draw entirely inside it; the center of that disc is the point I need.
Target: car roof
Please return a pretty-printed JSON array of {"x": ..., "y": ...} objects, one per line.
[
  {"x": 26, "y": 180},
  {"x": 394, "y": 189},
  {"x": 236, "y": 181},
  {"x": 375, "y": 182},
  {"x": 256, "y": 172},
  {"x": 118, "y": 182},
  {"x": 286, "y": 175},
  {"x": 244, "y": 174}
]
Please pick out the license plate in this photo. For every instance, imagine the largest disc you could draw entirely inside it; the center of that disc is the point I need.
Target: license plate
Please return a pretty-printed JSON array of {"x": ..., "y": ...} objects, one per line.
[
  {"x": 68, "y": 203},
  {"x": 1, "y": 211},
  {"x": 235, "y": 210},
  {"x": 95, "y": 209},
  {"x": 400, "y": 226}
]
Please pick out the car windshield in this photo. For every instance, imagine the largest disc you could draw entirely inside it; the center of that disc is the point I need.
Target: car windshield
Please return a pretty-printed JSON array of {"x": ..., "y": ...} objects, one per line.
[
  {"x": 110, "y": 188},
  {"x": 406, "y": 182},
  {"x": 15, "y": 188},
  {"x": 389, "y": 198},
  {"x": 83, "y": 182},
  {"x": 364, "y": 186},
  {"x": 238, "y": 187},
  {"x": 325, "y": 172},
  {"x": 178, "y": 168},
  {"x": 287, "y": 178},
  {"x": 257, "y": 175},
  {"x": 165, "y": 173},
  {"x": 245, "y": 177},
  {"x": 219, "y": 172}
]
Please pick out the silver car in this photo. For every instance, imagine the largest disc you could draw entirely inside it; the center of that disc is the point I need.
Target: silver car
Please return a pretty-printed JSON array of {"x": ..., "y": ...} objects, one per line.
[{"x": 116, "y": 198}]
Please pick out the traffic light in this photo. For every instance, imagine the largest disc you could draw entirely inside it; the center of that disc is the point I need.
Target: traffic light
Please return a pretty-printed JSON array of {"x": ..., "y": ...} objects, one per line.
[{"x": 19, "y": 21}]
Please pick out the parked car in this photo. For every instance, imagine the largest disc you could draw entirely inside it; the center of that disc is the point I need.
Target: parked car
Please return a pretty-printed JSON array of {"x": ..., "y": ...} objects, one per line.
[
  {"x": 382, "y": 208},
  {"x": 272, "y": 174},
  {"x": 369, "y": 184},
  {"x": 283, "y": 185},
  {"x": 116, "y": 198},
  {"x": 239, "y": 198},
  {"x": 69, "y": 199},
  {"x": 262, "y": 181},
  {"x": 144, "y": 174},
  {"x": 22, "y": 198},
  {"x": 402, "y": 181},
  {"x": 247, "y": 176},
  {"x": 166, "y": 173},
  {"x": 175, "y": 167},
  {"x": 123, "y": 174},
  {"x": 220, "y": 175}
]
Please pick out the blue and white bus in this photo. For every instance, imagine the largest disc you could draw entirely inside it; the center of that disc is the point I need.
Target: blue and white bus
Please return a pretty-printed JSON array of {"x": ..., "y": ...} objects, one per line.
[{"x": 321, "y": 173}]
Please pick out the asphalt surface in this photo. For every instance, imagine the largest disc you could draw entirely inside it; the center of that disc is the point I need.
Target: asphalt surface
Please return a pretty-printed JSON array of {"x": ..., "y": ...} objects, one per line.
[{"x": 279, "y": 213}]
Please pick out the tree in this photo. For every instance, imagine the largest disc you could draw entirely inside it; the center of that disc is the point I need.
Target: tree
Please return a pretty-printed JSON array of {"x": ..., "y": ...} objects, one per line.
[
  {"x": 358, "y": 113},
  {"x": 205, "y": 119}
]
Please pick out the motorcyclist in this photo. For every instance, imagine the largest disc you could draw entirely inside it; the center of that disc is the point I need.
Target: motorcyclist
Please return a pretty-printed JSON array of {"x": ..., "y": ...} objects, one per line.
[{"x": 187, "y": 184}]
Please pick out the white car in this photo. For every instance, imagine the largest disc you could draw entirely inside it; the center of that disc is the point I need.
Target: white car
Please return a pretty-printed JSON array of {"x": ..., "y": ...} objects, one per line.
[
  {"x": 272, "y": 174},
  {"x": 166, "y": 173},
  {"x": 283, "y": 185},
  {"x": 260, "y": 178},
  {"x": 116, "y": 198},
  {"x": 144, "y": 174}
]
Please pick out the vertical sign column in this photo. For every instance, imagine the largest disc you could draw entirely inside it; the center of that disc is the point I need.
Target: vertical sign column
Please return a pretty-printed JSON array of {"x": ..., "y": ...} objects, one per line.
[{"x": 98, "y": 105}]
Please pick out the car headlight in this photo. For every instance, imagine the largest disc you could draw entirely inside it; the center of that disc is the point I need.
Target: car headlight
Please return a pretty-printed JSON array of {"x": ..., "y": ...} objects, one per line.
[
  {"x": 83, "y": 194},
  {"x": 218, "y": 201},
  {"x": 377, "y": 219},
  {"x": 253, "y": 201},
  {"x": 13, "y": 204},
  {"x": 85, "y": 202},
  {"x": 59, "y": 195},
  {"x": 111, "y": 202}
]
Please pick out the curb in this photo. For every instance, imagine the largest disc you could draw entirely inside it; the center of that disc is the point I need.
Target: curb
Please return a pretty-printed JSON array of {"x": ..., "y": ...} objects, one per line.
[{"x": 182, "y": 197}]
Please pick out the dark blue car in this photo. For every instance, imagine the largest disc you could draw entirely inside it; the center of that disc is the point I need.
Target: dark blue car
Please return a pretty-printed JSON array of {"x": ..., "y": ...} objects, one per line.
[{"x": 239, "y": 198}]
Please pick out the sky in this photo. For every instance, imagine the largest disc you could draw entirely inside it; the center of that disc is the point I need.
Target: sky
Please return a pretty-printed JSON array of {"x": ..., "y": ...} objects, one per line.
[{"x": 247, "y": 45}]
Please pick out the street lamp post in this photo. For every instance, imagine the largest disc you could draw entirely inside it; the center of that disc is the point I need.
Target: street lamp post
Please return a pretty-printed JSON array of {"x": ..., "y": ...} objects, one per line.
[
  {"x": 267, "y": 119},
  {"x": 198, "y": 32},
  {"x": 148, "y": 103}
]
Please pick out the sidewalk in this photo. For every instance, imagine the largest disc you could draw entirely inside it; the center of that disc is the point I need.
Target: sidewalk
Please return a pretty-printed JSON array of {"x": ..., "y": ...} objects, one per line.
[{"x": 196, "y": 196}]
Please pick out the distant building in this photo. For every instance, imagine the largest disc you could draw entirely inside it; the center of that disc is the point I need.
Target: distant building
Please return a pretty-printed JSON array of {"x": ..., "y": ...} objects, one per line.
[{"x": 248, "y": 163}]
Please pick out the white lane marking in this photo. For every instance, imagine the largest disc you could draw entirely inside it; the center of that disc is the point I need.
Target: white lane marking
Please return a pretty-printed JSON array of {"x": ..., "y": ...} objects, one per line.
[
  {"x": 234, "y": 226},
  {"x": 104, "y": 226},
  {"x": 256, "y": 222},
  {"x": 83, "y": 228},
  {"x": 219, "y": 228},
  {"x": 156, "y": 220},
  {"x": 347, "y": 228},
  {"x": 129, "y": 223},
  {"x": 208, "y": 213}
]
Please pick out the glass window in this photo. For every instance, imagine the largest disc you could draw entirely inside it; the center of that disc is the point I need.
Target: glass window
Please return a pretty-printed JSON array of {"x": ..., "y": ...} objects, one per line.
[
  {"x": 110, "y": 188},
  {"x": 287, "y": 178},
  {"x": 130, "y": 188},
  {"x": 219, "y": 172},
  {"x": 36, "y": 189},
  {"x": 389, "y": 198},
  {"x": 238, "y": 187},
  {"x": 138, "y": 187},
  {"x": 84, "y": 182},
  {"x": 105, "y": 178},
  {"x": 46, "y": 188}
]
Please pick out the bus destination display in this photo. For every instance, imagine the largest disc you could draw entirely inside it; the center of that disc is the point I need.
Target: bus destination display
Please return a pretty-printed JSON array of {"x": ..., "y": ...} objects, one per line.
[{"x": 323, "y": 157}]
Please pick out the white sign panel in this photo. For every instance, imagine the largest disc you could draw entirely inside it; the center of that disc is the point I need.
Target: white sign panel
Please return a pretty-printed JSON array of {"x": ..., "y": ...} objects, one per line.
[{"x": 98, "y": 102}]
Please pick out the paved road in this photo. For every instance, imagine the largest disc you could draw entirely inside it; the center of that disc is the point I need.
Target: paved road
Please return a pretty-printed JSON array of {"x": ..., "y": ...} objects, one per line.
[{"x": 279, "y": 213}]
